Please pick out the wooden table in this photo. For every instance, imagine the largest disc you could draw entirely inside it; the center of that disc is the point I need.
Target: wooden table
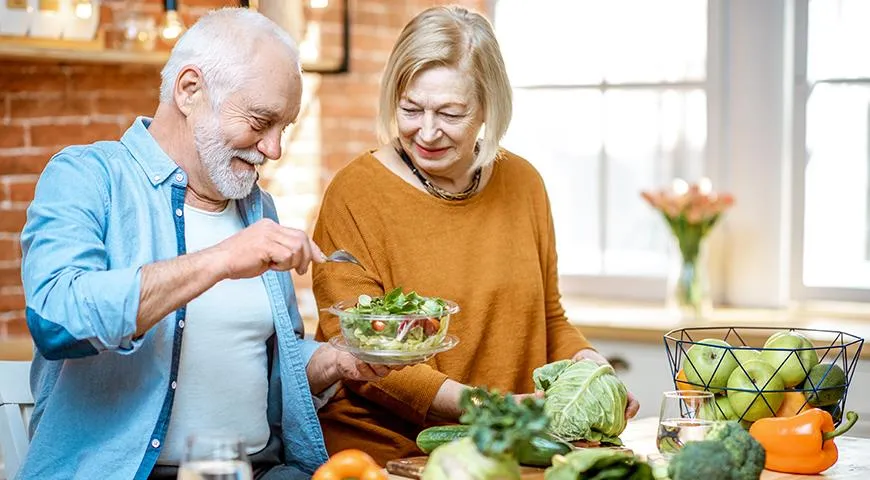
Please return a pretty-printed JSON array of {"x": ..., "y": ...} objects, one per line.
[{"x": 854, "y": 462}]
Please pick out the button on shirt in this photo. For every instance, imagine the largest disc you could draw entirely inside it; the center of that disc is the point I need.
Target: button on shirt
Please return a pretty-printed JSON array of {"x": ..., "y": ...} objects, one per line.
[
  {"x": 224, "y": 362},
  {"x": 103, "y": 398}
]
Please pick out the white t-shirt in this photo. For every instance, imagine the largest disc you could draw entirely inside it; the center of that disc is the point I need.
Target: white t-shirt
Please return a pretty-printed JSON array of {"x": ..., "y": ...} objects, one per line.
[{"x": 222, "y": 381}]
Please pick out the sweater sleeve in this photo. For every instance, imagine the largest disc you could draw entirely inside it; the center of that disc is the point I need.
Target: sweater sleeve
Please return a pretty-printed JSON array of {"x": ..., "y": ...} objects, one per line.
[
  {"x": 408, "y": 392},
  {"x": 563, "y": 339}
]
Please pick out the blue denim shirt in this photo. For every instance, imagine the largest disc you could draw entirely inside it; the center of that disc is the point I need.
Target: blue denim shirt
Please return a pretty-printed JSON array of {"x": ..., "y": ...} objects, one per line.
[{"x": 103, "y": 398}]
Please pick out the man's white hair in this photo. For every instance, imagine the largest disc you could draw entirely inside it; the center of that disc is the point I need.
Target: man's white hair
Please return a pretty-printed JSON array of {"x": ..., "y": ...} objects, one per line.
[{"x": 222, "y": 45}]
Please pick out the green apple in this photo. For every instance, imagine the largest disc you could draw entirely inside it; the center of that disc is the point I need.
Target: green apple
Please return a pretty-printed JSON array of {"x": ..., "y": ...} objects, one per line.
[
  {"x": 719, "y": 409},
  {"x": 745, "y": 355},
  {"x": 783, "y": 351},
  {"x": 755, "y": 391},
  {"x": 709, "y": 363},
  {"x": 825, "y": 385}
]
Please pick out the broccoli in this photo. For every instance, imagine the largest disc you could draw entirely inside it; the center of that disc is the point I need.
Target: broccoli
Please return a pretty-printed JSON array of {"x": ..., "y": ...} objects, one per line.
[
  {"x": 727, "y": 453},
  {"x": 705, "y": 459},
  {"x": 747, "y": 454}
]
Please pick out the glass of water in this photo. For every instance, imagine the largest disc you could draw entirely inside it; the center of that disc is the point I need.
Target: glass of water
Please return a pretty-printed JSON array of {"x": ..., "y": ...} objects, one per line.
[
  {"x": 684, "y": 418},
  {"x": 208, "y": 457}
]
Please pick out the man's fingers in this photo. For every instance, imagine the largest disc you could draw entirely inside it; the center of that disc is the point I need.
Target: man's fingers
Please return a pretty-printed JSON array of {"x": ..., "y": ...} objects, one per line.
[
  {"x": 316, "y": 253},
  {"x": 304, "y": 249}
]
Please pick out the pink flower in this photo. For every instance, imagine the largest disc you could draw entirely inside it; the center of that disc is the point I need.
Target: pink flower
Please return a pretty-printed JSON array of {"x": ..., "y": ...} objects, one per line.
[{"x": 696, "y": 203}]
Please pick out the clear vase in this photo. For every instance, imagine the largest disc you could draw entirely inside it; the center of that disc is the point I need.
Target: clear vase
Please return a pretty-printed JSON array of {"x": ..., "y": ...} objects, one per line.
[{"x": 689, "y": 285}]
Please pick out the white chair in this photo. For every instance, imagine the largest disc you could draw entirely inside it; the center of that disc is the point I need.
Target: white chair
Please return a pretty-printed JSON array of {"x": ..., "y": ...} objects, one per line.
[{"x": 16, "y": 404}]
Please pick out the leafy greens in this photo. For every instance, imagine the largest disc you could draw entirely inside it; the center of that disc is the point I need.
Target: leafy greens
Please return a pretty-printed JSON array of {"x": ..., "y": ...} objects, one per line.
[
  {"x": 584, "y": 400},
  {"x": 397, "y": 303},
  {"x": 499, "y": 426},
  {"x": 397, "y": 321}
]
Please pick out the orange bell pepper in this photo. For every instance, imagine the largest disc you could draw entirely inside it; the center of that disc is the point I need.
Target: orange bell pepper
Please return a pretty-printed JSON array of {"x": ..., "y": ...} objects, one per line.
[
  {"x": 348, "y": 464},
  {"x": 801, "y": 444}
]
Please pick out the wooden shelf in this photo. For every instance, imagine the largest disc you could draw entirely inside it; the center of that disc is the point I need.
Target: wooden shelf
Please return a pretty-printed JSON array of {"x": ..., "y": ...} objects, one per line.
[{"x": 65, "y": 51}]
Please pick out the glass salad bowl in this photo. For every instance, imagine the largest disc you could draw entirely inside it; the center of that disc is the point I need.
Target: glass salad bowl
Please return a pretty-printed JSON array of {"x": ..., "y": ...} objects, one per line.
[{"x": 395, "y": 329}]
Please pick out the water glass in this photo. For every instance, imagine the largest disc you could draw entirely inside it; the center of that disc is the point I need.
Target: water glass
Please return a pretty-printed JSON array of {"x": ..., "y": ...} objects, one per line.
[
  {"x": 214, "y": 458},
  {"x": 684, "y": 418}
]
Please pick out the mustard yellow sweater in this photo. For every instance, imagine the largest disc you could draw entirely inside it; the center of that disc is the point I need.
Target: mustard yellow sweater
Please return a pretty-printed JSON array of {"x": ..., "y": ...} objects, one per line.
[{"x": 494, "y": 254}]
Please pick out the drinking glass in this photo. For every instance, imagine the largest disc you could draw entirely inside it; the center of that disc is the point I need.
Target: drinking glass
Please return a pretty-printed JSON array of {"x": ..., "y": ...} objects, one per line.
[
  {"x": 684, "y": 418},
  {"x": 208, "y": 457}
]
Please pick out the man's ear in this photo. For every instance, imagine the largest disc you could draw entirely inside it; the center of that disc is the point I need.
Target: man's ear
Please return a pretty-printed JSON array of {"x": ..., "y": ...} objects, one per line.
[{"x": 188, "y": 89}]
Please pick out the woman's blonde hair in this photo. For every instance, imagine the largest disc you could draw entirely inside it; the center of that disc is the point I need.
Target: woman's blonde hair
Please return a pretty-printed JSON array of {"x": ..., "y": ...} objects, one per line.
[{"x": 455, "y": 37}]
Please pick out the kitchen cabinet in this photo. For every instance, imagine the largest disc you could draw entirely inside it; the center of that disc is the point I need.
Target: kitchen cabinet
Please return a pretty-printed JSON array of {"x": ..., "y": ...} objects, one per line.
[
  {"x": 858, "y": 399},
  {"x": 645, "y": 369}
]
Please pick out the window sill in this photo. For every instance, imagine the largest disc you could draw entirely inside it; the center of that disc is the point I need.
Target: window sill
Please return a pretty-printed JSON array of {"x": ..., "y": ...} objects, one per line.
[{"x": 648, "y": 322}]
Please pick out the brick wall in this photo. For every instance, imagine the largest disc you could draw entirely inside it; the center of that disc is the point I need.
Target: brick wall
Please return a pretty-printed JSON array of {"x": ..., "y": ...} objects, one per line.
[{"x": 44, "y": 107}]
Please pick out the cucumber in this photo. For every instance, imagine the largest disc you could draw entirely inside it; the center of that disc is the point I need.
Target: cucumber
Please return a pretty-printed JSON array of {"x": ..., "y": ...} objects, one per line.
[
  {"x": 434, "y": 437},
  {"x": 537, "y": 453}
]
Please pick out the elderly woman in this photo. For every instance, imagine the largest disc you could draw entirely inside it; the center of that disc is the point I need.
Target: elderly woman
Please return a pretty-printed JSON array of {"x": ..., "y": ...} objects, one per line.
[{"x": 442, "y": 210}]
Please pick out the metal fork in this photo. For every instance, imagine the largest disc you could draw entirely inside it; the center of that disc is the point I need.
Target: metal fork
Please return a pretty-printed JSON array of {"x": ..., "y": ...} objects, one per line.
[{"x": 343, "y": 256}]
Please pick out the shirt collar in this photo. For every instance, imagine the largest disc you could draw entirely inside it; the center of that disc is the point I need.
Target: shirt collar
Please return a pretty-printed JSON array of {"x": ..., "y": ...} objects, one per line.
[{"x": 151, "y": 158}]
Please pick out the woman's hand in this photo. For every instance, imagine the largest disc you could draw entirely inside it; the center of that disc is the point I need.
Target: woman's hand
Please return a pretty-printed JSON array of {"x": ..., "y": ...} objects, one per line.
[
  {"x": 632, "y": 406},
  {"x": 520, "y": 397}
]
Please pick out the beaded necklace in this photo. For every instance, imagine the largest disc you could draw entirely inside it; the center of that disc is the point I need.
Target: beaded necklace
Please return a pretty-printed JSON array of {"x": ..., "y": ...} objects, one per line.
[{"x": 437, "y": 191}]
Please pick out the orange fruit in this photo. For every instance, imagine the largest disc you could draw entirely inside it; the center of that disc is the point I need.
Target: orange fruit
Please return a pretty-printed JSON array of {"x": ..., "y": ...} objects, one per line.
[
  {"x": 349, "y": 463},
  {"x": 683, "y": 382},
  {"x": 793, "y": 403}
]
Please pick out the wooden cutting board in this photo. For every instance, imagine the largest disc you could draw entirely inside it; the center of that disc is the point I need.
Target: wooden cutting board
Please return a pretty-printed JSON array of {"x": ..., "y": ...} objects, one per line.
[{"x": 412, "y": 467}]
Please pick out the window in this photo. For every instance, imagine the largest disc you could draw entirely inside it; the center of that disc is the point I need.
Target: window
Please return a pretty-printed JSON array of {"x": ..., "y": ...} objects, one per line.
[
  {"x": 606, "y": 104},
  {"x": 831, "y": 181},
  {"x": 769, "y": 99}
]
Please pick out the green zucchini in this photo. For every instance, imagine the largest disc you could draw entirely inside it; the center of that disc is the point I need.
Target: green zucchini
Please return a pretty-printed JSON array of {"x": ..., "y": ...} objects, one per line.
[{"x": 537, "y": 453}]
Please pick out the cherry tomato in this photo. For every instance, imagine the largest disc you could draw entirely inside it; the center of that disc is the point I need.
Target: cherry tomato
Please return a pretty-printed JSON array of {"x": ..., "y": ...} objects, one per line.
[
  {"x": 378, "y": 326},
  {"x": 431, "y": 326}
]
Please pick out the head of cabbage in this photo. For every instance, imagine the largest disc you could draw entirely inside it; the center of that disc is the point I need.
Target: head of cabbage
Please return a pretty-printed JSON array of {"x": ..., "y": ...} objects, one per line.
[
  {"x": 461, "y": 460},
  {"x": 584, "y": 400}
]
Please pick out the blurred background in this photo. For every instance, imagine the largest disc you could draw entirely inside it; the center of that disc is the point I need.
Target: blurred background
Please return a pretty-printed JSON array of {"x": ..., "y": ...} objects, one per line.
[{"x": 769, "y": 100}]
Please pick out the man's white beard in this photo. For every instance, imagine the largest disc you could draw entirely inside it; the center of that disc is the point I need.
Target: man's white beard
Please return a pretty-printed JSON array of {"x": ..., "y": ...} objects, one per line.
[{"x": 217, "y": 159}]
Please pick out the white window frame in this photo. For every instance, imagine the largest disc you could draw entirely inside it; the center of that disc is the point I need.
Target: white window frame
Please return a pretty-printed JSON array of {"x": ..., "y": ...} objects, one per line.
[
  {"x": 756, "y": 107},
  {"x": 624, "y": 287},
  {"x": 802, "y": 89}
]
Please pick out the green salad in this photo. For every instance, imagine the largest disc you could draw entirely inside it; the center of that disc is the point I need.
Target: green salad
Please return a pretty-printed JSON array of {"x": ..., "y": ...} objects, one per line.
[{"x": 396, "y": 321}]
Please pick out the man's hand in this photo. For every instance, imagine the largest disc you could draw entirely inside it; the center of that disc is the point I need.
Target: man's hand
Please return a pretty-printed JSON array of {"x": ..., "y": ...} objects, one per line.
[
  {"x": 633, "y": 405},
  {"x": 263, "y": 246},
  {"x": 328, "y": 365}
]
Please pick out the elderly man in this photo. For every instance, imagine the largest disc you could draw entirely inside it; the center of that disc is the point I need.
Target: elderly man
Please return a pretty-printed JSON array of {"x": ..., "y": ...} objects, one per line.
[{"x": 157, "y": 278}]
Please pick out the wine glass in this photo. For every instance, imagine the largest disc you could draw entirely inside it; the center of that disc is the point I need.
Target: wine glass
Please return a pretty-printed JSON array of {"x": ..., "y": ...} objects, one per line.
[
  {"x": 685, "y": 417},
  {"x": 214, "y": 457}
]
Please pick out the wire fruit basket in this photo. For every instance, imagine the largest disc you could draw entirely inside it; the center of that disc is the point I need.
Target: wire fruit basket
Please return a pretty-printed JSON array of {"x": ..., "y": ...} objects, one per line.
[{"x": 759, "y": 372}]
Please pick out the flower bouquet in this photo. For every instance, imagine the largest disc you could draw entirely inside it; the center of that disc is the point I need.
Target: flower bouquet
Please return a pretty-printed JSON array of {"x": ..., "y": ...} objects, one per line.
[{"x": 691, "y": 212}]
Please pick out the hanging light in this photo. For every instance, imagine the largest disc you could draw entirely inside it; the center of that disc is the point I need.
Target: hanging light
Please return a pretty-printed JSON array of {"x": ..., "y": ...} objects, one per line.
[
  {"x": 318, "y": 3},
  {"x": 172, "y": 26}
]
